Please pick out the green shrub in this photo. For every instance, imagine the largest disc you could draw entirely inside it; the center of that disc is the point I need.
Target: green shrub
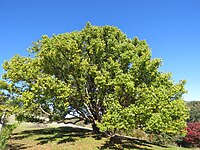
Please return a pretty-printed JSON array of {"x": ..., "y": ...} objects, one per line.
[
  {"x": 138, "y": 133},
  {"x": 165, "y": 139},
  {"x": 5, "y": 135}
]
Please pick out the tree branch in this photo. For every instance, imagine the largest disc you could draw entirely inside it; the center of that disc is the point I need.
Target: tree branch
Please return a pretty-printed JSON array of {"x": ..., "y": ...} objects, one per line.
[
  {"x": 48, "y": 114},
  {"x": 79, "y": 119},
  {"x": 88, "y": 109},
  {"x": 3, "y": 117}
]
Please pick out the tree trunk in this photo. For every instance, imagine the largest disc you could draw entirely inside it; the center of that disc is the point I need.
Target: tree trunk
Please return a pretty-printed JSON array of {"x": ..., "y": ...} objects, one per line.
[
  {"x": 1, "y": 127},
  {"x": 96, "y": 130},
  {"x": 2, "y": 120}
]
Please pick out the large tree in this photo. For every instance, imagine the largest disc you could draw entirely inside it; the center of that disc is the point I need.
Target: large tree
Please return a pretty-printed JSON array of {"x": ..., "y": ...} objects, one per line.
[{"x": 100, "y": 76}]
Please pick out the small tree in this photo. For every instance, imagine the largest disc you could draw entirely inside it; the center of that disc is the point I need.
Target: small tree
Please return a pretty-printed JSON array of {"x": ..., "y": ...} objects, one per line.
[{"x": 100, "y": 76}]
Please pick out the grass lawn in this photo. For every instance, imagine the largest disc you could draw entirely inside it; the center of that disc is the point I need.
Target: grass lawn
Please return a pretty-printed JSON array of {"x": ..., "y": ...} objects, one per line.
[{"x": 28, "y": 136}]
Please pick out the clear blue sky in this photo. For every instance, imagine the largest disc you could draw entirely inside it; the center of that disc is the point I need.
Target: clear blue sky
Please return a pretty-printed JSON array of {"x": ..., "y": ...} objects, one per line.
[{"x": 171, "y": 28}]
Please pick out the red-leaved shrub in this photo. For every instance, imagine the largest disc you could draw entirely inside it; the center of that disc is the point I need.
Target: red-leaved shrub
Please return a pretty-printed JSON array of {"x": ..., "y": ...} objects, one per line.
[{"x": 193, "y": 134}]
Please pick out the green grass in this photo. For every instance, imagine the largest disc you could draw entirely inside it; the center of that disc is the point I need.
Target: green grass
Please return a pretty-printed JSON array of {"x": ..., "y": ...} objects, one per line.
[{"x": 31, "y": 137}]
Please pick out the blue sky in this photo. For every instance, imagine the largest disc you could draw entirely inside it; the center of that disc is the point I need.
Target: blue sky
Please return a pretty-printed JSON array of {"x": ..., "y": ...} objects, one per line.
[{"x": 170, "y": 27}]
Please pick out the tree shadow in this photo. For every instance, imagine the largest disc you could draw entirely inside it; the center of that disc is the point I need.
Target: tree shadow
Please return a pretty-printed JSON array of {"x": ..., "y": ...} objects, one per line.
[
  {"x": 120, "y": 143},
  {"x": 59, "y": 134},
  {"x": 71, "y": 135},
  {"x": 16, "y": 146}
]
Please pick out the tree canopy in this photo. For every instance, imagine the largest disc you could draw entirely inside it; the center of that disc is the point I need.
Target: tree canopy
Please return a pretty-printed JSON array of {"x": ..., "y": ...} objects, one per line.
[{"x": 99, "y": 75}]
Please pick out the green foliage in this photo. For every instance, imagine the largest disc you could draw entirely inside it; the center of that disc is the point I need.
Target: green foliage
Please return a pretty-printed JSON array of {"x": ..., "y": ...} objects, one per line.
[
  {"x": 101, "y": 76},
  {"x": 194, "y": 111},
  {"x": 136, "y": 133},
  {"x": 28, "y": 118},
  {"x": 165, "y": 139},
  {"x": 7, "y": 105},
  {"x": 5, "y": 135}
]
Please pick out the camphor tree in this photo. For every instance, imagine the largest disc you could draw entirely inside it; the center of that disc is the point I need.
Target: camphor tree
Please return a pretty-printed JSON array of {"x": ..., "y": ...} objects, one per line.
[{"x": 100, "y": 76}]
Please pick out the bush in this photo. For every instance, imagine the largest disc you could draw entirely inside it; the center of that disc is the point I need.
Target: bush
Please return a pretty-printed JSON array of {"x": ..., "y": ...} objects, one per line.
[
  {"x": 193, "y": 135},
  {"x": 164, "y": 139},
  {"x": 5, "y": 135},
  {"x": 137, "y": 133},
  {"x": 160, "y": 139}
]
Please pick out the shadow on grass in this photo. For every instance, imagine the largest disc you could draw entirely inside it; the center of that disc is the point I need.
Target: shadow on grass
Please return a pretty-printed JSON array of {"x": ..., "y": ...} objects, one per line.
[
  {"x": 69, "y": 134},
  {"x": 59, "y": 134},
  {"x": 15, "y": 146},
  {"x": 120, "y": 143}
]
